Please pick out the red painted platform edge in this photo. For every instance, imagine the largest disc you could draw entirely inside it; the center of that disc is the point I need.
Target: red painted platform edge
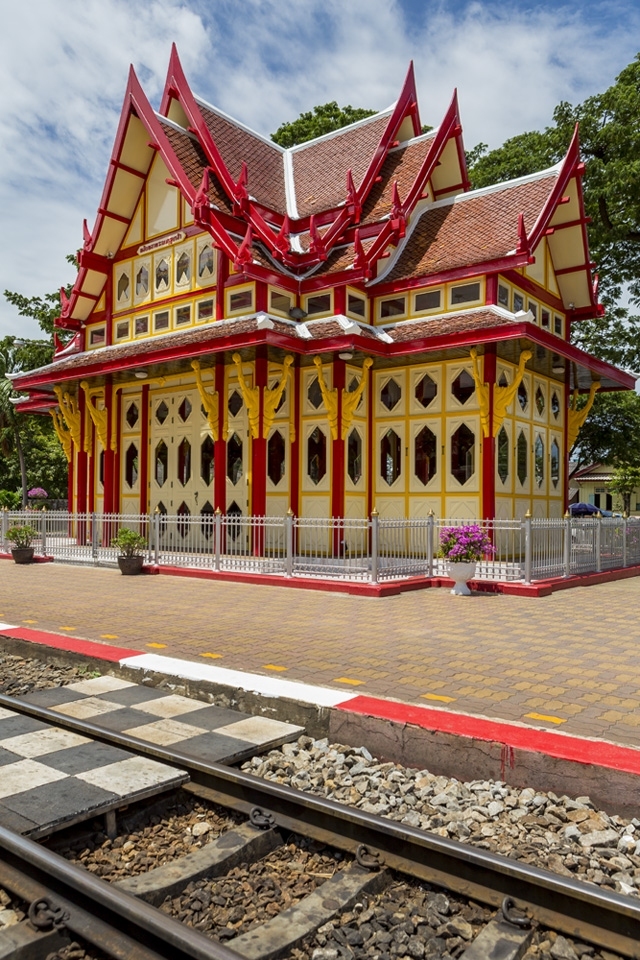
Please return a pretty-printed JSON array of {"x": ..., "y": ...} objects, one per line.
[
  {"x": 88, "y": 648},
  {"x": 550, "y": 743},
  {"x": 298, "y": 583},
  {"x": 36, "y": 559}
]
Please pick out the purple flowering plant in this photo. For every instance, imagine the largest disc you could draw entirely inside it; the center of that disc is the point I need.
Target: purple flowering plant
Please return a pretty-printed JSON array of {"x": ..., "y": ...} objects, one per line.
[
  {"x": 465, "y": 544},
  {"x": 37, "y": 493}
]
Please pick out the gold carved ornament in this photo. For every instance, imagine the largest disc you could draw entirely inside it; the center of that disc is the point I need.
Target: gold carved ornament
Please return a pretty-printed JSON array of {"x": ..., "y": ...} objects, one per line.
[
  {"x": 503, "y": 396},
  {"x": 271, "y": 398},
  {"x": 350, "y": 400},
  {"x": 482, "y": 392},
  {"x": 71, "y": 414},
  {"x": 210, "y": 401},
  {"x": 330, "y": 398},
  {"x": 62, "y": 433},
  {"x": 251, "y": 397},
  {"x": 100, "y": 418},
  {"x": 576, "y": 417}
]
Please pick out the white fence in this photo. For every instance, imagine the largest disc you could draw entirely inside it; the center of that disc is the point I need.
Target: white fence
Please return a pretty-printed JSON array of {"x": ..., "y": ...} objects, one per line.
[{"x": 368, "y": 550}]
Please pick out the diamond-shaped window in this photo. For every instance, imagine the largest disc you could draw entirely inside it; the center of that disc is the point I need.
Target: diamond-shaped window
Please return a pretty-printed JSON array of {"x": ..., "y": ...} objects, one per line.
[
  {"x": 314, "y": 394},
  {"x": 555, "y": 463},
  {"x": 183, "y": 268},
  {"x": 390, "y": 394},
  {"x": 463, "y": 386},
  {"x": 538, "y": 460},
  {"x": 205, "y": 262},
  {"x": 234, "y": 459},
  {"x": 502, "y": 380},
  {"x": 184, "y": 462},
  {"x": 206, "y": 525},
  {"x": 184, "y": 410},
  {"x": 426, "y": 391},
  {"x": 555, "y": 405},
  {"x": 132, "y": 415},
  {"x": 463, "y": 446},
  {"x": 183, "y": 524},
  {"x": 275, "y": 457},
  {"x": 426, "y": 452},
  {"x": 161, "y": 463},
  {"x": 390, "y": 457},
  {"x": 503, "y": 454},
  {"x": 354, "y": 383},
  {"x": 354, "y": 457},
  {"x": 523, "y": 396},
  {"x": 123, "y": 286},
  {"x": 316, "y": 456},
  {"x": 206, "y": 460},
  {"x": 235, "y": 403},
  {"x": 162, "y": 275},
  {"x": 162, "y": 412},
  {"x": 142, "y": 282},
  {"x": 522, "y": 457},
  {"x": 131, "y": 465},
  {"x": 540, "y": 403}
]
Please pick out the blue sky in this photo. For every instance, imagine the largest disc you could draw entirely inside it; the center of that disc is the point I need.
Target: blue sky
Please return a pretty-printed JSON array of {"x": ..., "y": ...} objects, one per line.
[{"x": 63, "y": 70}]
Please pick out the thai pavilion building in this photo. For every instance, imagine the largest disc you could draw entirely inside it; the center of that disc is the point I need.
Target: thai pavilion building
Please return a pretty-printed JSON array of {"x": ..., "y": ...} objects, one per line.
[{"x": 332, "y": 328}]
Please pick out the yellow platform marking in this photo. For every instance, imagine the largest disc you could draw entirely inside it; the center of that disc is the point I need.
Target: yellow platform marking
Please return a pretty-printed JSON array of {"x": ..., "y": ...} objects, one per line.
[
  {"x": 29, "y": 621},
  {"x": 543, "y": 716},
  {"x": 66, "y": 628},
  {"x": 437, "y": 696},
  {"x": 212, "y": 656},
  {"x": 108, "y": 636},
  {"x": 156, "y": 646},
  {"x": 353, "y": 683},
  {"x": 273, "y": 666}
]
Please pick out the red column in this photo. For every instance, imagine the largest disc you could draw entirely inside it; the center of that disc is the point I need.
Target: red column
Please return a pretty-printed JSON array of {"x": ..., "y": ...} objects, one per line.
[
  {"x": 116, "y": 427},
  {"x": 370, "y": 444},
  {"x": 108, "y": 453},
  {"x": 340, "y": 300},
  {"x": 144, "y": 451},
  {"x": 220, "y": 445},
  {"x": 258, "y": 444},
  {"x": 81, "y": 466},
  {"x": 108, "y": 303},
  {"x": 489, "y": 443},
  {"x": 565, "y": 435},
  {"x": 262, "y": 299},
  {"x": 337, "y": 460},
  {"x": 92, "y": 468},
  {"x": 295, "y": 447},
  {"x": 222, "y": 275},
  {"x": 71, "y": 507},
  {"x": 491, "y": 295}
]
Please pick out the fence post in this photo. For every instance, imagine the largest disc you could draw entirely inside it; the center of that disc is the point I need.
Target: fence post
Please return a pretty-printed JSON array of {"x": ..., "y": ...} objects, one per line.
[
  {"x": 218, "y": 538},
  {"x": 43, "y": 531},
  {"x": 528, "y": 547},
  {"x": 156, "y": 537},
  {"x": 5, "y": 526},
  {"x": 94, "y": 537},
  {"x": 375, "y": 520},
  {"x": 624, "y": 539},
  {"x": 567, "y": 544},
  {"x": 598, "y": 542},
  {"x": 430, "y": 545},
  {"x": 288, "y": 533}
]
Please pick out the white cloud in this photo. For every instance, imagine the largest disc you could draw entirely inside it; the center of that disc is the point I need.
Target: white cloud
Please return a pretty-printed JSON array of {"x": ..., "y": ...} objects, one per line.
[{"x": 63, "y": 71}]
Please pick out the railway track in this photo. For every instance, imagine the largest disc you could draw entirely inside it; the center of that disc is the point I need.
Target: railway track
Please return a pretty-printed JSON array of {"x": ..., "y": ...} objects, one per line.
[{"x": 378, "y": 852}]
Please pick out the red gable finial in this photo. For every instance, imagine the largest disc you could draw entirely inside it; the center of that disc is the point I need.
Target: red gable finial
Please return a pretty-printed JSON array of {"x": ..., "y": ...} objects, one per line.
[
  {"x": 354, "y": 207},
  {"x": 86, "y": 235},
  {"x": 244, "y": 256},
  {"x": 523, "y": 241},
  {"x": 398, "y": 217},
  {"x": 240, "y": 192},
  {"x": 282, "y": 239},
  {"x": 360, "y": 261},
  {"x": 200, "y": 206},
  {"x": 64, "y": 303},
  {"x": 316, "y": 246}
]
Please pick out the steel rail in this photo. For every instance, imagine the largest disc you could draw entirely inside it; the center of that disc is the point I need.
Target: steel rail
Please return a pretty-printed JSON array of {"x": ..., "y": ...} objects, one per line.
[
  {"x": 115, "y": 922},
  {"x": 569, "y": 906}
]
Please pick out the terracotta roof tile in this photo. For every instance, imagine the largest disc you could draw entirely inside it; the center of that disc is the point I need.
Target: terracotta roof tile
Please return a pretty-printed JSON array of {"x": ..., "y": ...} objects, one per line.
[
  {"x": 402, "y": 165},
  {"x": 474, "y": 230},
  {"x": 193, "y": 161},
  {"x": 265, "y": 165},
  {"x": 320, "y": 169},
  {"x": 441, "y": 326}
]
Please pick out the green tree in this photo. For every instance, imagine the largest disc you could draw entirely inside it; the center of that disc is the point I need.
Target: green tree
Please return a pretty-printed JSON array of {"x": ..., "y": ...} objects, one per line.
[
  {"x": 611, "y": 433},
  {"x": 626, "y": 478},
  {"x": 315, "y": 123}
]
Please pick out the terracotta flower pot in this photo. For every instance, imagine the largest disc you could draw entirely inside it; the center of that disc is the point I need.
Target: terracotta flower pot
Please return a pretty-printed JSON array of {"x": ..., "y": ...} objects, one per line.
[
  {"x": 22, "y": 554},
  {"x": 130, "y": 566}
]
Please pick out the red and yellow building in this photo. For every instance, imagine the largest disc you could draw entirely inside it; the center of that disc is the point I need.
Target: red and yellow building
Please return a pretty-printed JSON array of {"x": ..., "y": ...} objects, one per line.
[{"x": 330, "y": 328}]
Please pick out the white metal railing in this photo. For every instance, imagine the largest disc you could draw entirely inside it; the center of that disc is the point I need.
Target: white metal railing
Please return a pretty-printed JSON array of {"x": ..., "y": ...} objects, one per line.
[{"x": 365, "y": 550}]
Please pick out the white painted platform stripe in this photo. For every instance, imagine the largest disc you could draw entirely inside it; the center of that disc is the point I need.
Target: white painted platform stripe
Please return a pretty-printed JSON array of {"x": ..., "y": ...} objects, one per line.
[
  {"x": 251, "y": 682},
  {"x": 8, "y": 626}
]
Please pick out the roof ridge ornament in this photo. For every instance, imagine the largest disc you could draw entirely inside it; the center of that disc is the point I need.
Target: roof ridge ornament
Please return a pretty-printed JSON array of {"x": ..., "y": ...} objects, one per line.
[
  {"x": 523, "y": 241},
  {"x": 240, "y": 192},
  {"x": 353, "y": 204},
  {"x": 86, "y": 233},
  {"x": 244, "y": 256},
  {"x": 282, "y": 242},
  {"x": 201, "y": 206},
  {"x": 360, "y": 261},
  {"x": 398, "y": 216},
  {"x": 317, "y": 246}
]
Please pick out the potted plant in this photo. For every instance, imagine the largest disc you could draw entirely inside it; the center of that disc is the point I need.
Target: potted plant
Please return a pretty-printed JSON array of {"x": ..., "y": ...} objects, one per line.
[
  {"x": 22, "y": 536},
  {"x": 462, "y": 547},
  {"x": 131, "y": 546}
]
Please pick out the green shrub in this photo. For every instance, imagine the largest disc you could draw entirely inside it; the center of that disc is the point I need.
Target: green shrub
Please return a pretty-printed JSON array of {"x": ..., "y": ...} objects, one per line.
[
  {"x": 129, "y": 543},
  {"x": 10, "y": 499},
  {"x": 21, "y": 536}
]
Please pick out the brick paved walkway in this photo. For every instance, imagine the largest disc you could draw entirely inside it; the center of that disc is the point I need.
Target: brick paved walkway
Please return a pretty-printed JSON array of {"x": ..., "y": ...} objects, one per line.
[{"x": 569, "y": 661}]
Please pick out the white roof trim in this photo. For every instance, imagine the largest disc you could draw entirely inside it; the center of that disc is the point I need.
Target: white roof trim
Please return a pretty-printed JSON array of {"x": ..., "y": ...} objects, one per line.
[
  {"x": 429, "y": 135},
  {"x": 238, "y": 123},
  {"x": 337, "y": 133},
  {"x": 491, "y": 307},
  {"x": 290, "y": 186},
  {"x": 176, "y": 126}
]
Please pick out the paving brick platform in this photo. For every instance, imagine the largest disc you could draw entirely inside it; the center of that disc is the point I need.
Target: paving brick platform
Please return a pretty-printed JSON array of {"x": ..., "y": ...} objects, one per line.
[{"x": 565, "y": 662}]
